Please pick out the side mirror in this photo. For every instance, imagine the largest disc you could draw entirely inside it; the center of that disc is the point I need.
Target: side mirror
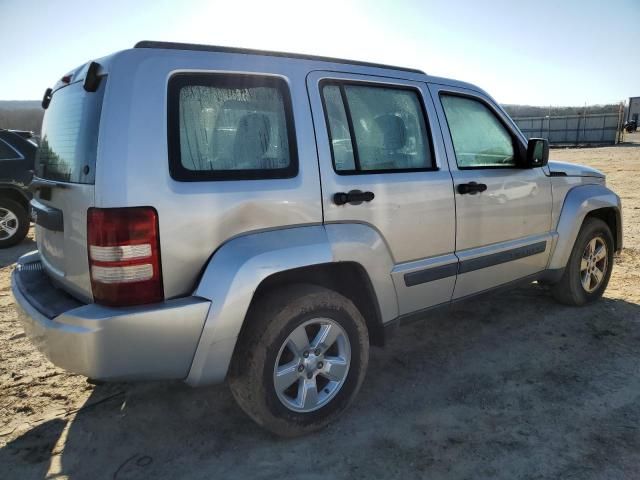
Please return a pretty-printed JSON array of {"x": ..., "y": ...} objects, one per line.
[{"x": 537, "y": 152}]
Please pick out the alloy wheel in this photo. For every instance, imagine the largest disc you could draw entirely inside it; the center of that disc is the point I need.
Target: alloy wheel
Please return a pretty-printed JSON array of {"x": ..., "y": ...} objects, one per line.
[
  {"x": 312, "y": 365},
  {"x": 594, "y": 264},
  {"x": 9, "y": 224}
]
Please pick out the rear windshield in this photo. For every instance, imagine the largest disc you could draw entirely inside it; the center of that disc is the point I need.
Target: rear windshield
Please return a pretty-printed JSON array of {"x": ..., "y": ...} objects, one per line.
[{"x": 68, "y": 147}]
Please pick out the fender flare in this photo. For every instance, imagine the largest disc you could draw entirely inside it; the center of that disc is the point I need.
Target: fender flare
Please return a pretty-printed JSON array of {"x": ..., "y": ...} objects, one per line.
[
  {"x": 238, "y": 267},
  {"x": 578, "y": 203},
  {"x": 18, "y": 190}
]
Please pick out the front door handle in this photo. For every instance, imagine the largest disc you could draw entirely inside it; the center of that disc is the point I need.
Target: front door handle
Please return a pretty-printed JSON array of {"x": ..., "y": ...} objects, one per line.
[
  {"x": 353, "y": 197},
  {"x": 471, "y": 188}
]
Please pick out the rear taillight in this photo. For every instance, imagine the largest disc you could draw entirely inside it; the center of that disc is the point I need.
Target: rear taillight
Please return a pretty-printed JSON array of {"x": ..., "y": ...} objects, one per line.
[{"x": 124, "y": 255}]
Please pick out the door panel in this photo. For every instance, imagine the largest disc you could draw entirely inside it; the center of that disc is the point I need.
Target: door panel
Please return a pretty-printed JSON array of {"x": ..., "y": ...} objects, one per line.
[
  {"x": 486, "y": 267},
  {"x": 63, "y": 250},
  {"x": 412, "y": 210},
  {"x": 425, "y": 283},
  {"x": 516, "y": 204},
  {"x": 509, "y": 221}
]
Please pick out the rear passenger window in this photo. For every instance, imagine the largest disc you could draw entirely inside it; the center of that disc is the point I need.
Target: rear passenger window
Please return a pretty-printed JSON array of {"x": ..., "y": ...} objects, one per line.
[
  {"x": 230, "y": 127},
  {"x": 375, "y": 129}
]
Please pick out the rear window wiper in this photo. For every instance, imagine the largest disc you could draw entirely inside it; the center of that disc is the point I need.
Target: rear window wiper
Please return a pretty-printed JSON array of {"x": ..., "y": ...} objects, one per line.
[{"x": 90, "y": 84}]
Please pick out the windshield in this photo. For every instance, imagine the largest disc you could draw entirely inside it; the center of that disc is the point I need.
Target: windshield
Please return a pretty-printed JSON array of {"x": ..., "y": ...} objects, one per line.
[{"x": 68, "y": 147}]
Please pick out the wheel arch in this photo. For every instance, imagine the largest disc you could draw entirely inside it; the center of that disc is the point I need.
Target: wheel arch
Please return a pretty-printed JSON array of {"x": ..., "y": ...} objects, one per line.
[
  {"x": 349, "y": 279},
  {"x": 612, "y": 217},
  {"x": 16, "y": 194},
  {"x": 582, "y": 202},
  {"x": 334, "y": 256}
]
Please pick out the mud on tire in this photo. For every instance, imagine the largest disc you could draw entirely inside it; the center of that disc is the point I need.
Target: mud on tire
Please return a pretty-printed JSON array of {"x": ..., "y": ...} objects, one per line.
[{"x": 272, "y": 320}]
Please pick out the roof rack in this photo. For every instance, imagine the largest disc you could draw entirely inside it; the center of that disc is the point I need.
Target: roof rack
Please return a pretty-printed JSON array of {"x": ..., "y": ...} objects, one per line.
[{"x": 248, "y": 51}]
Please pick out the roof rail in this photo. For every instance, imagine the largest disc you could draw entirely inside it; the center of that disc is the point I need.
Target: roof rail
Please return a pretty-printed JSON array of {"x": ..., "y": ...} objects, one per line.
[
  {"x": 22, "y": 133},
  {"x": 248, "y": 51}
]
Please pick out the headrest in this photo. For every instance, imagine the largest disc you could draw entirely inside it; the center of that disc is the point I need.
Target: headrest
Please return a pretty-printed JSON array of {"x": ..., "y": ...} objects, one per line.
[{"x": 394, "y": 131}]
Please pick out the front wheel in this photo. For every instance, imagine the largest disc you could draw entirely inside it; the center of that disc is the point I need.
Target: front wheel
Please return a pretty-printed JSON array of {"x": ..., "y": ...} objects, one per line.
[
  {"x": 588, "y": 270},
  {"x": 301, "y": 361}
]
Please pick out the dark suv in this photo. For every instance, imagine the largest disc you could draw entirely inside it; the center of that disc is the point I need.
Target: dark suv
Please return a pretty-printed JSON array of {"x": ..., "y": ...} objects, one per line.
[{"x": 17, "y": 154}]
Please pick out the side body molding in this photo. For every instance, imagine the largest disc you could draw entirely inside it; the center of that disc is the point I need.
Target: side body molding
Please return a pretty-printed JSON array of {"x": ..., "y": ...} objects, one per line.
[
  {"x": 577, "y": 204},
  {"x": 236, "y": 270}
]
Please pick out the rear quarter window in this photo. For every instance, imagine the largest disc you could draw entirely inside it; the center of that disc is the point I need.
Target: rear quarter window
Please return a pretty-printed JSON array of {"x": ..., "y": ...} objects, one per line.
[{"x": 230, "y": 127}]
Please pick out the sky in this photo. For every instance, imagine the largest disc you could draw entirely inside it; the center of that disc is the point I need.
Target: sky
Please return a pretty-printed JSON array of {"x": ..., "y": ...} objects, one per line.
[{"x": 543, "y": 52}]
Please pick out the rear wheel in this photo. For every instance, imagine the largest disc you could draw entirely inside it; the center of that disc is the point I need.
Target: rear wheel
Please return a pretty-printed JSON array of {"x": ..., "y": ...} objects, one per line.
[
  {"x": 587, "y": 273},
  {"x": 14, "y": 222},
  {"x": 302, "y": 359}
]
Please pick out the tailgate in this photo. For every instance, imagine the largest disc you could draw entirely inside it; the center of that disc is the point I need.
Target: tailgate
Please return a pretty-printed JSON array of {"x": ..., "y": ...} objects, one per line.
[{"x": 64, "y": 179}]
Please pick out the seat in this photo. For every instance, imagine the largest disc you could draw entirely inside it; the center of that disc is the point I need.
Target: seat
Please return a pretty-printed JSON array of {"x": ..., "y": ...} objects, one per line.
[
  {"x": 394, "y": 139},
  {"x": 394, "y": 131},
  {"x": 252, "y": 142}
]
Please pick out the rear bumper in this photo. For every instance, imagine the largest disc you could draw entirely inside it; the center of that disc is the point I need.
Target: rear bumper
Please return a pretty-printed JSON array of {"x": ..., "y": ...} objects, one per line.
[{"x": 144, "y": 342}]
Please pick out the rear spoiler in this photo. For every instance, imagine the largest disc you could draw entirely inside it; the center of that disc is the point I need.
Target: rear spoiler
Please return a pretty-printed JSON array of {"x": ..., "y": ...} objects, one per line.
[{"x": 91, "y": 81}]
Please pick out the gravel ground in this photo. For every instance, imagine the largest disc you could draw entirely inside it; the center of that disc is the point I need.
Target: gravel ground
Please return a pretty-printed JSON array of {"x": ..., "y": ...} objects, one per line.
[{"x": 509, "y": 386}]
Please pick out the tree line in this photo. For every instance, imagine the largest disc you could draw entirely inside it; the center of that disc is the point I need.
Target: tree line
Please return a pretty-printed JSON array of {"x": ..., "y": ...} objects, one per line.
[{"x": 29, "y": 118}]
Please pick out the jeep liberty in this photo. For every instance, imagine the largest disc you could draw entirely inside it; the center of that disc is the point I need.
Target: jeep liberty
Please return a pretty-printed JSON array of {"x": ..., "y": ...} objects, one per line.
[{"x": 210, "y": 214}]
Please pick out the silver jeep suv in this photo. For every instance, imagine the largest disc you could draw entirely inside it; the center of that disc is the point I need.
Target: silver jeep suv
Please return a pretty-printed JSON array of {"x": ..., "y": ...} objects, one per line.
[{"x": 208, "y": 213}]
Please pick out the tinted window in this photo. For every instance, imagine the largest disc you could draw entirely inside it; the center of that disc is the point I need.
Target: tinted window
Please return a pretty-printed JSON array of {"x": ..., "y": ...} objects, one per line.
[
  {"x": 233, "y": 127},
  {"x": 7, "y": 153},
  {"x": 69, "y": 144},
  {"x": 376, "y": 129},
  {"x": 479, "y": 138},
  {"x": 338, "y": 129}
]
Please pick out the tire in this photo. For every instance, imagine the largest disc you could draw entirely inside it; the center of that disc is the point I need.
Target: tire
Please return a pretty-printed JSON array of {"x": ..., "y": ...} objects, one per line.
[
  {"x": 14, "y": 222},
  {"x": 263, "y": 348},
  {"x": 571, "y": 289}
]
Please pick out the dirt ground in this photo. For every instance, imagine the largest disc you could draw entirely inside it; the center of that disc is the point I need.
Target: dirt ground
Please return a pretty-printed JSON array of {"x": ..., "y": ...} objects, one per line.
[{"x": 510, "y": 386}]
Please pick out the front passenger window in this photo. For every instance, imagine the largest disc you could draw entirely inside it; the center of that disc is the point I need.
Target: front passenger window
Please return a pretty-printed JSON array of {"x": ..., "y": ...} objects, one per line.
[{"x": 479, "y": 138}]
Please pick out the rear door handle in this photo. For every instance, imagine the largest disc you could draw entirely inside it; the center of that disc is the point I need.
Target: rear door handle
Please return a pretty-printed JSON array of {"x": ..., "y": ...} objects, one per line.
[
  {"x": 471, "y": 188},
  {"x": 353, "y": 197}
]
